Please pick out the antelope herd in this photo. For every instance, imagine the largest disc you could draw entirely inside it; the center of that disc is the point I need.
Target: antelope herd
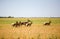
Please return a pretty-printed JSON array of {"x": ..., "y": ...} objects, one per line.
[
  {"x": 19, "y": 23},
  {"x": 27, "y": 23}
]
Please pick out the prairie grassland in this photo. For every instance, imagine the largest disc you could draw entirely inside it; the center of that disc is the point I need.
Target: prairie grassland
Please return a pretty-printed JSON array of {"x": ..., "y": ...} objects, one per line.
[{"x": 36, "y": 31}]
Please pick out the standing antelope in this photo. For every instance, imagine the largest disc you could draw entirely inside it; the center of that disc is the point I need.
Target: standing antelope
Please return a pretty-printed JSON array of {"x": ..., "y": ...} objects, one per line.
[
  {"x": 16, "y": 24},
  {"x": 47, "y": 23}
]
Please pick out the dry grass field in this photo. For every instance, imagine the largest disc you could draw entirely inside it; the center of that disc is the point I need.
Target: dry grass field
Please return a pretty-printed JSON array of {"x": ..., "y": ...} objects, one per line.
[{"x": 36, "y": 31}]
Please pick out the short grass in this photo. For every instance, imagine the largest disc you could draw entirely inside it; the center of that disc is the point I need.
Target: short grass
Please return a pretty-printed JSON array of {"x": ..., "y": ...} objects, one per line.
[{"x": 34, "y": 20}]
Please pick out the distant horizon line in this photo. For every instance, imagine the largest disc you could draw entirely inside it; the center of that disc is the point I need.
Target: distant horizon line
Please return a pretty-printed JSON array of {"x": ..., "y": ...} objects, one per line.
[{"x": 31, "y": 16}]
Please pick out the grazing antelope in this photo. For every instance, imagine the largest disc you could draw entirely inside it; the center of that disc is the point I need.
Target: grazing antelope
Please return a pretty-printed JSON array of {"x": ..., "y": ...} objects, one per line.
[
  {"x": 47, "y": 23},
  {"x": 29, "y": 24},
  {"x": 16, "y": 24},
  {"x": 24, "y": 23}
]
